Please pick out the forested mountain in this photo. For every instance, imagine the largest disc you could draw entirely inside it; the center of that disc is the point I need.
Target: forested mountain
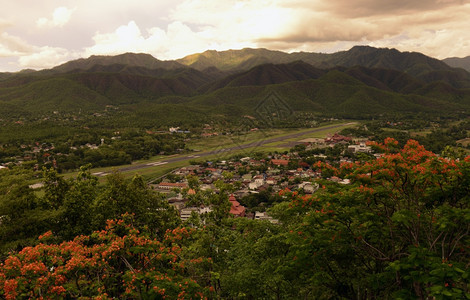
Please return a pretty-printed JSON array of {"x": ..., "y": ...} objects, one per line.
[
  {"x": 128, "y": 59},
  {"x": 359, "y": 82},
  {"x": 457, "y": 62},
  {"x": 413, "y": 63}
]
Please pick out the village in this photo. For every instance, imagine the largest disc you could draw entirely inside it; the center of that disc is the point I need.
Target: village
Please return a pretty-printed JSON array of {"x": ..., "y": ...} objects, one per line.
[{"x": 256, "y": 176}]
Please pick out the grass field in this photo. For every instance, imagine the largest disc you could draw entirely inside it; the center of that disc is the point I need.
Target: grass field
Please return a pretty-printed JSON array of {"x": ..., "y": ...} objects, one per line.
[
  {"x": 420, "y": 133},
  {"x": 211, "y": 143}
]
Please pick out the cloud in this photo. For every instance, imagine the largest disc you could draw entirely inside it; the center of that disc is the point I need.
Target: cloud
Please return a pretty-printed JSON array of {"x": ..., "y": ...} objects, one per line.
[
  {"x": 176, "y": 41},
  {"x": 13, "y": 46},
  {"x": 195, "y": 26},
  {"x": 126, "y": 38},
  {"x": 60, "y": 17},
  {"x": 46, "y": 57},
  {"x": 242, "y": 21},
  {"x": 367, "y": 8},
  {"x": 428, "y": 26}
]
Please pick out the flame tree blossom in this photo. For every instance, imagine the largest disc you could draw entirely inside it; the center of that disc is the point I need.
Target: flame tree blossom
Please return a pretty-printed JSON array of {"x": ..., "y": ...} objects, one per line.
[{"x": 118, "y": 261}]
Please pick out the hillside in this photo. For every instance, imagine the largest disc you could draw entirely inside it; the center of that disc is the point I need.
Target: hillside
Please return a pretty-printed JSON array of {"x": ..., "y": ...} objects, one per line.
[
  {"x": 457, "y": 62},
  {"x": 46, "y": 95},
  {"x": 337, "y": 93},
  {"x": 233, "y": 59},
  {"x": 270, "y": 74},
  {"x": 127, "y": 59}
]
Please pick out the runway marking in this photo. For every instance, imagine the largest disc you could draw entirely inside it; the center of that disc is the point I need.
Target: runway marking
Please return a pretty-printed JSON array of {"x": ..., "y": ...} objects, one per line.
[
  {"x": 158, "y": 163},
  {"x": 99, "y": 174}
]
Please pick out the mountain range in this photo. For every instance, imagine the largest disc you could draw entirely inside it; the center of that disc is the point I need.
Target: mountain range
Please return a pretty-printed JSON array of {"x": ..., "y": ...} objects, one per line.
[{"x": 361, "y": 82}]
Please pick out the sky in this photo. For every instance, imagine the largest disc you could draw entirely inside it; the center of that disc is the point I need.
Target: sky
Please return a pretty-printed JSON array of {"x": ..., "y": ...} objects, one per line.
[{"x": 45, "y": 33}]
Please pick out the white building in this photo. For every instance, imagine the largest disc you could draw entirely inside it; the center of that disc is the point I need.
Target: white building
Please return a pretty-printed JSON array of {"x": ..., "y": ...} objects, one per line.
[{"x": 361, "y": 148}]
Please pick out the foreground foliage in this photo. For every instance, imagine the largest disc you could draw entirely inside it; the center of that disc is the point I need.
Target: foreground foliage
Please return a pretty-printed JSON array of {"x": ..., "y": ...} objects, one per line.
[{"x": 400, "y": 230}]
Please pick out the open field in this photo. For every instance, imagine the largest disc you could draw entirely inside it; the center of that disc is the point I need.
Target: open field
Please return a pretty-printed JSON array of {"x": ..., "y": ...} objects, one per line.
[{"x": 420, "y": 133}]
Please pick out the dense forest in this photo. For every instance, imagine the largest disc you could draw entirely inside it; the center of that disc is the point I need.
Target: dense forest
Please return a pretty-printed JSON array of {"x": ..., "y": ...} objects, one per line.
[{"x": 400, "y": 230}]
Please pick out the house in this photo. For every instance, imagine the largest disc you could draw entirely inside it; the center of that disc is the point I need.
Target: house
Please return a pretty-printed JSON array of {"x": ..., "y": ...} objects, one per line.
[
  {"x": 237, "y": 209},
  {"x": 178, "y": 202},
  {"x": 186, "y": 212},
  {"x": 205, "y": 187},
  {"x": 264, "y": 216},
  {"x": 271, "y": 180},
  {"x": 245, "y": 159},
  {"x": 308, "y": 187},
  {"x": 259, "y": 179},
  {"x": 247, "y": 177},
  {"x": 171, "y": 185},
  {"x": 280, "y": 162},
  {"x": 253, "y": 185},
  {"x": 361, "y": 148},
  {"x": 337, "y": 138}
]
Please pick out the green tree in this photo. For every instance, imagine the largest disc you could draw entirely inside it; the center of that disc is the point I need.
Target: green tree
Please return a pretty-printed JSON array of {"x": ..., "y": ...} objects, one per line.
[
  {"x": 22, "y": 217},
  {"x": 76, "y": 212},
  {"x": 55, "y": 188},
  {"x": 120, "y": 196}
]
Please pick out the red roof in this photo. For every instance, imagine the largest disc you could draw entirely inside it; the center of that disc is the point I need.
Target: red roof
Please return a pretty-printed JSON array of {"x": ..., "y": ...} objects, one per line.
[
  {"x": 337, "y": 138},
  {"x": 237, "y": 209},
  {"x": 280, "y": 162}
]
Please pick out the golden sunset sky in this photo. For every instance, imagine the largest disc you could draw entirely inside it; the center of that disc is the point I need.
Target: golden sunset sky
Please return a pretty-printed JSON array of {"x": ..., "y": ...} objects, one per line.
[{"x": 42, "y": 34}]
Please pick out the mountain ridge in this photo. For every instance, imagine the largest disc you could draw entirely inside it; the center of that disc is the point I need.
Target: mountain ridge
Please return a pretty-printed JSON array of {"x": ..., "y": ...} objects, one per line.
[{"x": 458, "y": 62}]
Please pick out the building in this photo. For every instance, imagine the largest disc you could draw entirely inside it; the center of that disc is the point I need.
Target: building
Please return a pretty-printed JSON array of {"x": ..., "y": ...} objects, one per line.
[
  {"x": 237, "y": 209},
  {"x": 185, "y": 213},
  {"x": 264, "y": 216},
  {"x": 171, "y": 185},
  {"x": 280, "y": 162},
  {"x": 361, "y": 148},
  {"x": 337, "y": 138}
]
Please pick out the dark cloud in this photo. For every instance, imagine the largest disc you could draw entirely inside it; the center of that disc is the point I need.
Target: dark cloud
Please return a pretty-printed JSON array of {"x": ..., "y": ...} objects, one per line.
[{"x": 365, "y": 8}]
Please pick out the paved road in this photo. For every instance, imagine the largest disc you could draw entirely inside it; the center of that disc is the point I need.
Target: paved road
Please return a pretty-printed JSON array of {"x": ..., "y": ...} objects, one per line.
[{"x": 229, "y": 149}]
